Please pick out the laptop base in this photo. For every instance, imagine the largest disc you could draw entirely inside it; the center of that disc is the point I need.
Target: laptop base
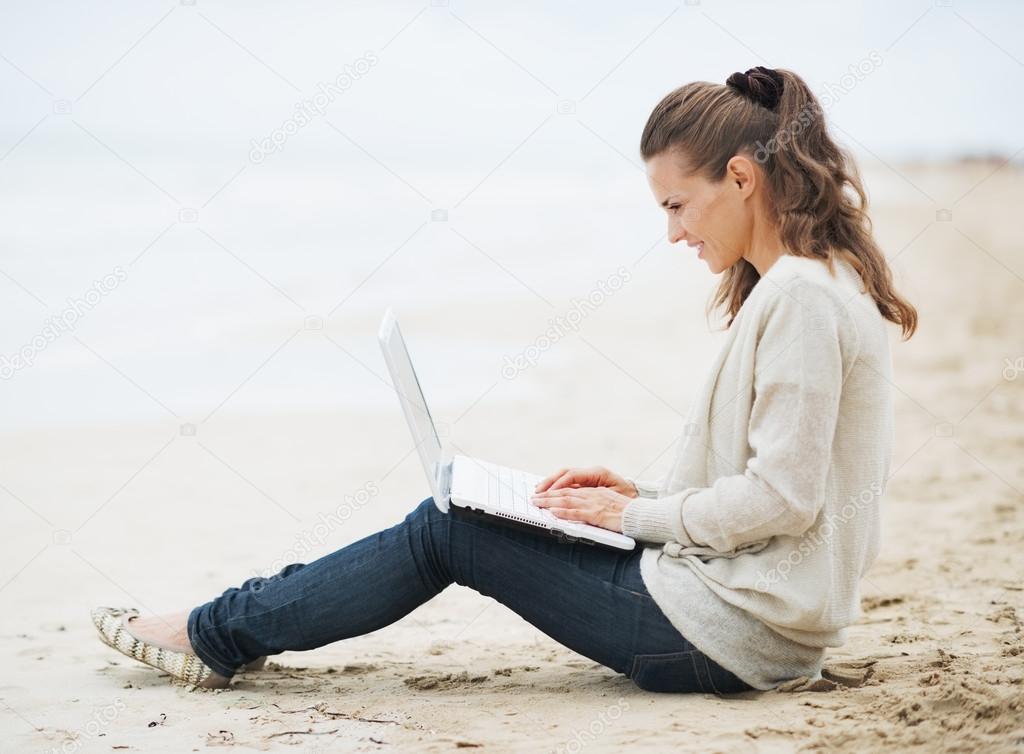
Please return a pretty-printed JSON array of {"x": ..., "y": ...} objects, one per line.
[{"x": 478, "y": 515}]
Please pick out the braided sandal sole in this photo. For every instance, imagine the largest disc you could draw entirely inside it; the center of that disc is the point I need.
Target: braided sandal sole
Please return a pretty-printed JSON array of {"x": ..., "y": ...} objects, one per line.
[{"x": 182, "y": 666}]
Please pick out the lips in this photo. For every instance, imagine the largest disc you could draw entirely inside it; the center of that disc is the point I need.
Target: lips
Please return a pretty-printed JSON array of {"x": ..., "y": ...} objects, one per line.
[{"x": 699, "y": 246}]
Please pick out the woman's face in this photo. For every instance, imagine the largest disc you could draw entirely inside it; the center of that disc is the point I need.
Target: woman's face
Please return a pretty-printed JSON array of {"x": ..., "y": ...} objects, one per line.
[{"x": 713, "y": 218}]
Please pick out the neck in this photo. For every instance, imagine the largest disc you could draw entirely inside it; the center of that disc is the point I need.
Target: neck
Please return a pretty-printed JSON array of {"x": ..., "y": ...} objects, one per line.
[{"x": 765, "y": 246}]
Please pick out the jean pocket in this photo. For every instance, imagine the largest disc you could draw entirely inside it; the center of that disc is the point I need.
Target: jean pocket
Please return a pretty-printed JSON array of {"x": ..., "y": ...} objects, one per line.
[{"x": 669, "y": 672}]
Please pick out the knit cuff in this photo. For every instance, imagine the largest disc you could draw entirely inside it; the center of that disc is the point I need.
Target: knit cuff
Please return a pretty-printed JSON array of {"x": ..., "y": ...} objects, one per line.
[{"x": 655, "y": 520}]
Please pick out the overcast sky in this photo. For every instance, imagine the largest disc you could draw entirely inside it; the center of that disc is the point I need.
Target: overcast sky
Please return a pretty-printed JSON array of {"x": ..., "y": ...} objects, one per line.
[{"x": 942, "y": 78}]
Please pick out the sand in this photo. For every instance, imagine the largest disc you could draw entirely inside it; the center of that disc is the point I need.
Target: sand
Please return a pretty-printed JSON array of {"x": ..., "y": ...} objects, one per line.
[{"x": 148, "y": 515}]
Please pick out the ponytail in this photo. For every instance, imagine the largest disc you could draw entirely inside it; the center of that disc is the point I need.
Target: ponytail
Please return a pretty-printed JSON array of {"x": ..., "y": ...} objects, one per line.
[{"x": 814, "y": 189}]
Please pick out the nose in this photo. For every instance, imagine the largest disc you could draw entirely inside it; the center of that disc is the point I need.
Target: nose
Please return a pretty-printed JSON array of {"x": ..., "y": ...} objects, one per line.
[{"x": 676, "y": 231}]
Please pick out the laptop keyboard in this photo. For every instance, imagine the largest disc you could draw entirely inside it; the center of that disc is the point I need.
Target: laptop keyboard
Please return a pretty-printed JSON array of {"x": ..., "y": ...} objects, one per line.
[
  {"x": 507, "y": 493},
  {"x": 510, "y": 490}
]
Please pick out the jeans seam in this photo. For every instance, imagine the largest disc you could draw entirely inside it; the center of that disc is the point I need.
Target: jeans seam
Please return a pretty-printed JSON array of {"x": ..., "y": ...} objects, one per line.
[
  {"x": 696, "y": 671},
  {"x": 711, "y": 678}
]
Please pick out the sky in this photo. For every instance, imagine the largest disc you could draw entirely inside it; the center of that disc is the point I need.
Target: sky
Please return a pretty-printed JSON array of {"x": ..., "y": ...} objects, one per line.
[{"x": 941, "y": 77}]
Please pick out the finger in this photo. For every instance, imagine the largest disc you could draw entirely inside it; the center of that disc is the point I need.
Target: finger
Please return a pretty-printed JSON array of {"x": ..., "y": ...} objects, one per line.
[
  {"x": 546, "y": 481},
  {"x": 569, "y": 479},
  {"x": 565, "y": 492},
  {"x": 574, "y": 491},
  {"x": 560, "y": 498},
  {"x": 570, "y": 514}
]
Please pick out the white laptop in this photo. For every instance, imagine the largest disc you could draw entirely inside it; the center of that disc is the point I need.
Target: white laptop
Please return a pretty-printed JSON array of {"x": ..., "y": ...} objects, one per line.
[{"x": 477, "y": 487}]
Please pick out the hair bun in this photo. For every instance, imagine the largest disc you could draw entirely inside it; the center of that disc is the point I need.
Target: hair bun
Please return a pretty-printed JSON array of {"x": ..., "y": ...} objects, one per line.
[{"x": 759, "y": 84}]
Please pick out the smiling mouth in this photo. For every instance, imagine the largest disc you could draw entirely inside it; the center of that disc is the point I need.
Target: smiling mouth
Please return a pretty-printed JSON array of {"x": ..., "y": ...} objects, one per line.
[{"x": 699, "y": 246}]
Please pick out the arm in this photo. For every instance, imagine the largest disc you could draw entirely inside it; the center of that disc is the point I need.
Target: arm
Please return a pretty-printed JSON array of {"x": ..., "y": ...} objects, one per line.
[{"x": 798, "y": 378}]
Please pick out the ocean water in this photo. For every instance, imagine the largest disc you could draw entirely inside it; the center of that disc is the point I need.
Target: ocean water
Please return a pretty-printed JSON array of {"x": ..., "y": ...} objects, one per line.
[
  {"x": 120, "y": 305},
  {"x": 219, "y": 202}
]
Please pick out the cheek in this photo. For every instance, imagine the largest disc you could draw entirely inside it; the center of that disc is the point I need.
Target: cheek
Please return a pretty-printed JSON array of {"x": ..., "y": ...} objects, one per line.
[
  {"x": 724, "y": 225},
  {"x": 705, "y": 213}
]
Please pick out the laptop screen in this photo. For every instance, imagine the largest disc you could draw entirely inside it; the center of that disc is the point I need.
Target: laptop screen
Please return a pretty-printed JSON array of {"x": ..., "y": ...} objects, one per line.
[{"x": 414, "y": 405}]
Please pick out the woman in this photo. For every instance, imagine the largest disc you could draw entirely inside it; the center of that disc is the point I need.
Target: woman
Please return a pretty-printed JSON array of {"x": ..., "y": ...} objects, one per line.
[{"x": 754, "y": 543}]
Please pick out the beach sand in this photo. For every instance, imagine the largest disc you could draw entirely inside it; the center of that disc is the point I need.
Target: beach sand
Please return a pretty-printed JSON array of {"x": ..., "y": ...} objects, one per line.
[{"x": 150, "y": 515}]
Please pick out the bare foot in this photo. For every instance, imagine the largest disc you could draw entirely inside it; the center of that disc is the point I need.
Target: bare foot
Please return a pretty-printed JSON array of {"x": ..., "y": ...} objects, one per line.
[
  {"x": 171, "y": 632},
  {"x": 164, "y": 631},
  {"x": 256, "y": 665}
]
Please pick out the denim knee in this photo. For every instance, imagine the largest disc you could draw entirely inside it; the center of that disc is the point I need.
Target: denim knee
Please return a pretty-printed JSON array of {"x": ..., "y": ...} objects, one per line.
[{"x": 426, "y": 511}]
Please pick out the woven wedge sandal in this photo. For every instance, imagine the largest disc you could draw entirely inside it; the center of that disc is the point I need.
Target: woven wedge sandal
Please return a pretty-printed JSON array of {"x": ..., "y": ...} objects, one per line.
[{"x": 182, "y": 666}]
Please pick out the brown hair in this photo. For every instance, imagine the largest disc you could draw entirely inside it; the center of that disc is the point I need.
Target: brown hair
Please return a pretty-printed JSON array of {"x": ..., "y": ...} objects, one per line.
[{"x": 771, "y": 116}]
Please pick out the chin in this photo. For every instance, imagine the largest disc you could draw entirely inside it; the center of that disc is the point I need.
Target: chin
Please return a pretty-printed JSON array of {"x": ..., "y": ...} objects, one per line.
[{"x": 718, "y": 268}]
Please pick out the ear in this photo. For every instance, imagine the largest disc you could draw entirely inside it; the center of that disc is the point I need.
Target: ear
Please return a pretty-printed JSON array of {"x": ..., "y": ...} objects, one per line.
[{"x": 741, "y": 175}]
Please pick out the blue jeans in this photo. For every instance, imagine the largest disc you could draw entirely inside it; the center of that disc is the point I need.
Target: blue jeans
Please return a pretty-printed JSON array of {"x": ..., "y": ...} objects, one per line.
[{"x": 588, "y": 598}]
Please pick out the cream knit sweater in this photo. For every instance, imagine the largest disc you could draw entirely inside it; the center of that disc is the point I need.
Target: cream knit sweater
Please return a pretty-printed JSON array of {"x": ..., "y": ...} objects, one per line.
[{"x": 770, "y": 515}]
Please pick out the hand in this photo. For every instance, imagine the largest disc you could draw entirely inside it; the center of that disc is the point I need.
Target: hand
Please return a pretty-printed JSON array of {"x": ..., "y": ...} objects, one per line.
[
  {"x": 600, "y": 506},
  {"x": 595, "y": 476}
]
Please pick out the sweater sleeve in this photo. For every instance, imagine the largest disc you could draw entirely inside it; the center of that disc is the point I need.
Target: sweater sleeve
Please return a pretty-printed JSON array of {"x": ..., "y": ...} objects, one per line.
[
  {"x": 645, "y": 488},
  {"x": 798, "y": 378}
]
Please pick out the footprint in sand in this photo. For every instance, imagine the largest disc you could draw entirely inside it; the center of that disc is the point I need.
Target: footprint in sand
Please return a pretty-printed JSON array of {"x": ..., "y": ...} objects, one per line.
[
  {"x": 443, "y": 681},
  {"x": 873, "y": 603}
]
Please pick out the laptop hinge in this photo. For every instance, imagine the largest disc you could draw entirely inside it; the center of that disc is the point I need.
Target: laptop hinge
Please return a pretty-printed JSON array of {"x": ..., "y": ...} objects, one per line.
[{"x": 444, "y": 480}]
